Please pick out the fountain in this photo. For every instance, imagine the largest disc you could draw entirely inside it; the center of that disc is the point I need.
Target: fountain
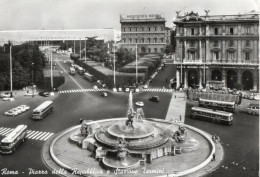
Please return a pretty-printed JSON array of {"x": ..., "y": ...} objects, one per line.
[{"x": 132, "y": 142}]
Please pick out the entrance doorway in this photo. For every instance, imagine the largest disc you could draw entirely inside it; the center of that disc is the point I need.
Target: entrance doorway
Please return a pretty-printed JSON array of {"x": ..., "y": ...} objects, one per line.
[
  {"x": 192, "y": 78},
  {"x": 247, "y": 80},
  {"x": 231, "y": 79}
]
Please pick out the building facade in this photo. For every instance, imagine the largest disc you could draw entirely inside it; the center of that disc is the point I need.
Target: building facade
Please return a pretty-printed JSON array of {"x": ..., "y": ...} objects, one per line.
[
  {"x": 168, "y": 34},
  {"x": 218, "y": 49},
  {"x": 144, "y": 32}
]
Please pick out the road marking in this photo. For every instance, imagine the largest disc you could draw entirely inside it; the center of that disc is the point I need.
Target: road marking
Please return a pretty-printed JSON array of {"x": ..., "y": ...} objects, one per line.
[
  {"x": 34, "y": 132},
  {"x": 70, "y": 76},
  {"x": 5, "y": 131},
  {"x": 8, "y": 131},
  {"x": 35, "y": 135},
  {"x": 44, "y": 136},
  {"x": 44, "y": 133},
  {"x": 48, "y": 136},
  {"x": 2, "y": 130}
]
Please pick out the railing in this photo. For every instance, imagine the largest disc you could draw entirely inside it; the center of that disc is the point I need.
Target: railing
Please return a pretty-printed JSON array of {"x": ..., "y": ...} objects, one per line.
[{"x": 191, "y": 61}]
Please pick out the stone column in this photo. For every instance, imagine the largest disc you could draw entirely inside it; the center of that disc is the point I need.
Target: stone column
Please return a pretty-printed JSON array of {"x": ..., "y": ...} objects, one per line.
[
  {"x": 239, "y": 76},
  {"x": 207, "y": 30},
  {"x": 208, "y": 75},
  {"x": 200, "y": 77},
  {"x": 208, "y": 57},
  {"x": 200, "y": 50},
  {"x": 200, "y": 31},
  {"x": 185, "y": 78},
  {"x": 177, "y": 78},
  {"x": 256, "y": 79},
  {"x": 239, "y": 49},
  {"x": 185, "y": 50},
  {"x": 223, "y": 51},
  {"x": 255, "y": 49},
  {"x": 224, "y": 77}
]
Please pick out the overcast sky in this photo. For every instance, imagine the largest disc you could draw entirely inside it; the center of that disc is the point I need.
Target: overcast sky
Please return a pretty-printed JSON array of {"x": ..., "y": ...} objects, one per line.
[{"x": 84, "y": 14}]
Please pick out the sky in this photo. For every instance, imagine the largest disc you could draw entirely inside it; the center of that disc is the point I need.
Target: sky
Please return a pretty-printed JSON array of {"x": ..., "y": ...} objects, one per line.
[{"x": 96, "y": 14}]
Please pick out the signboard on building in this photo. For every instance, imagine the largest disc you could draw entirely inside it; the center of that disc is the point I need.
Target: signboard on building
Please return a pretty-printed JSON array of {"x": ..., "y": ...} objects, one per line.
[{"x": 143, "y": 16}]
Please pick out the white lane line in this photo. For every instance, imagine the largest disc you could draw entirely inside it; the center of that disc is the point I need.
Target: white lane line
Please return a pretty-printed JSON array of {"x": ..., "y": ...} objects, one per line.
[
  {"x": 39, "y": 134},
  {"x": 48, "y": 133},
  {"x": 5, "y": 131},
  {"x": 48, "y": 137},
  {"x": 44, "y": 133},
  {"x": 70, "y": 76},
  {"x": 36, "y": 134},
  {"x": 2, "y": 130},
  {"x": 28, "y": 134},
  {"x": 8, "y": 131}
]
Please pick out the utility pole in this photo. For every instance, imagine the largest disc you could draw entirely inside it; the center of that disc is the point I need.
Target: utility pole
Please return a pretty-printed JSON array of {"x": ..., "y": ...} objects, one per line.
[
  {"x": 51, "y": 69},
  {"x": 114, "y": 89},
  {"x": 204, "y": 67}
]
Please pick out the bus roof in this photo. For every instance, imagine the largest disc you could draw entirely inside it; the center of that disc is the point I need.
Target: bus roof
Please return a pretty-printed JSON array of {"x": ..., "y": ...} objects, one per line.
[
  {"x": 87, "y": 74},
  {"x": 43, "y": 105},
  {"x": 217, "y": 101},
  {"x": 11, "y": 137},
  {"x": 212, "y": 111}
]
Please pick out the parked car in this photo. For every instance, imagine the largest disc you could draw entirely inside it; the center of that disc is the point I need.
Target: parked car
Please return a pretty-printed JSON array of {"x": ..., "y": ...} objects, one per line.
[
  {"x": 139, "y": 103},
  {"x": 18, "y": 110},
  {"x": 8, "y": 99},
  {"x": 253, "y": 109},
  {"x": 11, "y": 113},
  {"x": 5, "y": 95},
  {"x": 154, "y": 99},
  {"x": 44, "y": 94}
]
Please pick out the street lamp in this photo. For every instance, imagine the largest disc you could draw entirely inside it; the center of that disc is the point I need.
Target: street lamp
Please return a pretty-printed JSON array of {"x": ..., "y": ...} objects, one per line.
[
  {"x": 114, "y": 89},
  {"x": 32, "y": 80},
  {"x": 11, "y": 71}
]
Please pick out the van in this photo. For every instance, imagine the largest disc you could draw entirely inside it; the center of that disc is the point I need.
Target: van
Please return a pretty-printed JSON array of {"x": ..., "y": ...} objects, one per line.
[
  {"x": 154, "y": 99},
  {"x": 72, "y": 71},
  {"x": 253, "y": 109}
]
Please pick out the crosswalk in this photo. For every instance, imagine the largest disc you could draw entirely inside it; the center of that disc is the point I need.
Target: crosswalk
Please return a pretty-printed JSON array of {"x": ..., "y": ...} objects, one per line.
[
  {"x": 31, "y": 134},
  {"x": 157, "y": 90},
  {"x": 83, "y": 90}
]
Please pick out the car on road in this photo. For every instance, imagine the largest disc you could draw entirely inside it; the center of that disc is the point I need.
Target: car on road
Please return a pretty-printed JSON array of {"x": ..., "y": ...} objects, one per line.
[
  {"x": 18, "y": 110},
  {"x": 8, "y": 99},
  {"x": 104, "y": 94},
  {"x": 44, "y": 94},
  {"x": 154, "y": 99},
  {"x": 30, "y": 94},
  {"x": 25, "y": 107},
  {"x": 253, "y": 109},
  {"x": 95, "y": 87},
  {"x": 11, "y": 112},
  {"x": 5, "y": 95},
  {"x": 139, "y": 103}
]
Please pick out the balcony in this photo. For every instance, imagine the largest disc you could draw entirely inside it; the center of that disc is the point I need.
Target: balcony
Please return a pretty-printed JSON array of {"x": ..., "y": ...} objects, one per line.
[{"x": 188, "y": 61}]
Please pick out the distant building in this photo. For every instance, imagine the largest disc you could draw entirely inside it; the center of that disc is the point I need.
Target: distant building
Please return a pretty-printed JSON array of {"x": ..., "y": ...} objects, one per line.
[
  {"x": 147, "y": 31},
  {"x": 168, "y": 33},
  {"x": 117, "y": 36},
  {"x": 218, "y": 49}
]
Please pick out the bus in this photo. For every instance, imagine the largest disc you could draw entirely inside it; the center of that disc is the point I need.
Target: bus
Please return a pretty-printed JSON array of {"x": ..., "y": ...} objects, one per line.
[
  {"x": 212, "y": 115},
  {"x": 43, "y": 110},
  {"x": 219, "y": 105},
  {"x": 13, "y": 139},
  {"x": 89, "y": 77},
  {"x": 81, "y": 70},
  {"x": 253, "y": 109},
  {"x": 72, "y": 71}
]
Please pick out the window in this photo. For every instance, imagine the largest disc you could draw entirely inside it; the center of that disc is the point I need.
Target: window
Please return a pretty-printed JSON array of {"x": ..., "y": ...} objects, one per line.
[
  {"x": 192, "y": 44},
  {"x": 142, "y": 28},
  {"x": 231, "y": 31},
  {"x": 215, "y": 44},
  {"x": 231, "y": 55},
  {"x": 161, "y": 50},
  {"x": 248, "y": 30},
  {"x": 192, "y": 31},
  {"x": 161, "y": 40},
  {"x": 136, "y": 40},
  {"x": 231, "y": 43},
  {"x": 124, "y": 40},
  {"x": 155, "y": 28},
  {"x": 247, "y": 56},
  {"x": 155, "y": 50},
  {"x": 149, "y": 29},
  {"x": 149, "y": 40},
  {"x": 215, "y": 55},
  {"x": 247, "y": 43},
  {"x": 192, "y": 55},
  {"x": 162, "y": 28},
  {"x": 142, "y": 40},
  {"x": 130, "y": 40},
  {"x": 216, "y": 31},
  {"x": 123, "y": 29},
  {"x": 155, "y": 40},
  {"x": 130, "y": 29},
  {"x": 135, "y": 29},
  {"x": 149, "y": 50}
]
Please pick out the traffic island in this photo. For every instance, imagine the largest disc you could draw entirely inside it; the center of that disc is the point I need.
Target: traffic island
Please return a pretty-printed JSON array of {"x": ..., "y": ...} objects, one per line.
[{"x": 170, "y": 155}]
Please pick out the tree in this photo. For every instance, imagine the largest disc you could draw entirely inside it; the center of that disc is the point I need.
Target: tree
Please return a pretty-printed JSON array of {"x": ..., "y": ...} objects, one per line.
[{"x": 124, "y": 57}]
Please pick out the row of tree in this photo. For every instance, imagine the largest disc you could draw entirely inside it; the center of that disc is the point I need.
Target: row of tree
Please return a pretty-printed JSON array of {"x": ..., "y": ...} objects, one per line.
[{"x": 28, "y": 63}]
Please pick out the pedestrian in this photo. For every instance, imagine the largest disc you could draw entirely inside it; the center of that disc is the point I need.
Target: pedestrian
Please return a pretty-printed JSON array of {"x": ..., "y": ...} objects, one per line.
[{"x": 213, "y": 157}]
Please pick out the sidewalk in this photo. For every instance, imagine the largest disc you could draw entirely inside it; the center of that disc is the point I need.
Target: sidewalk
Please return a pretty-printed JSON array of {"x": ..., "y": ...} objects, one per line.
[{"x": 177, "y": 107}]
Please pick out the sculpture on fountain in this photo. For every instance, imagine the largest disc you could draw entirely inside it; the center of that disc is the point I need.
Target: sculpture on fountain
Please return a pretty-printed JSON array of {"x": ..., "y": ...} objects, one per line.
[
  {"x": 85, "y": 129},
  {"x": 180, "y": 135},
  {"x": 121, "y": 151}
]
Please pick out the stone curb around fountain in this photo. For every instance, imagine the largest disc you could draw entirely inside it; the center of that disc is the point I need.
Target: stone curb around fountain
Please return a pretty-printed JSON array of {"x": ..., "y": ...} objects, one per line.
[{"x": 194, "y": 169}]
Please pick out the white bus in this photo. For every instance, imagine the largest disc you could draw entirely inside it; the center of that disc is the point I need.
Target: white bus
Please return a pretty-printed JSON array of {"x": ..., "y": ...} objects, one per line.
[
  {"x": 13, "y": 139},
  {"x": 211, "y": 115},
  {"x": 43, "y": 110},
  {"x": 89, "y": 77},
  {"x": 219, "y": 105},
  {"x": 72, "y": 71}
]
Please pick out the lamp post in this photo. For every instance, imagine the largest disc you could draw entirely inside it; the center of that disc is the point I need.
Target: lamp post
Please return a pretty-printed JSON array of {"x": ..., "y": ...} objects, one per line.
[
  {"x": 11, "y": 71},
  {"x": 114, "y": 61},
  {"x": 85, "y": 49},
  {"x": 32, "y": 80},
  {"x": 136, "y": 64}
]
